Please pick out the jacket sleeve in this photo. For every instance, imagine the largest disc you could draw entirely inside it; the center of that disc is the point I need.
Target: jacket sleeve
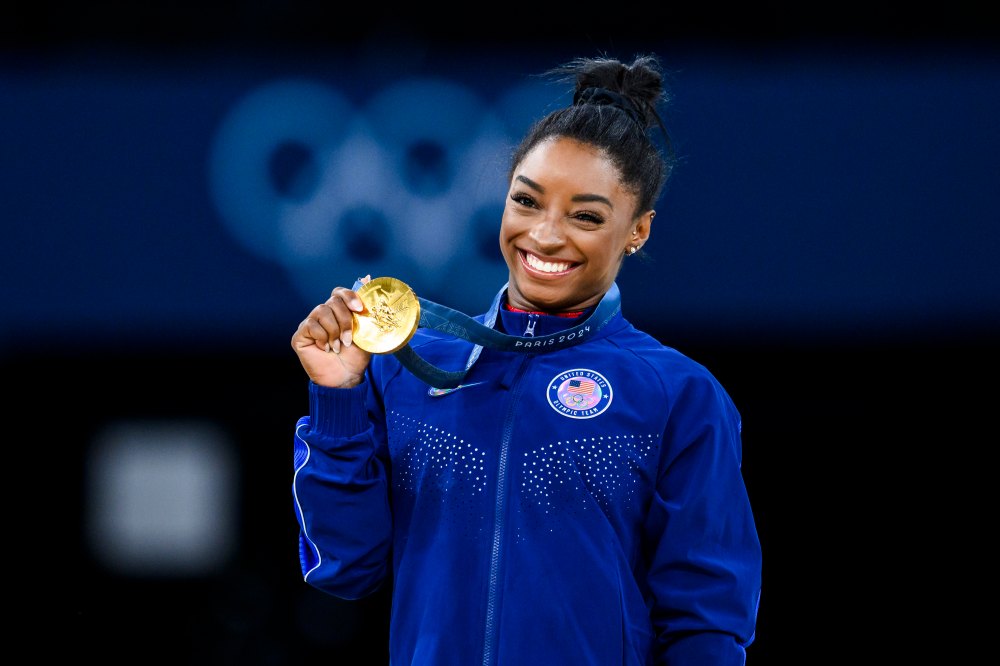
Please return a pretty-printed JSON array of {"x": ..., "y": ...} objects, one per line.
[
  {"x": 704, "y": 553},
  {"x": 340, "y": 491}
]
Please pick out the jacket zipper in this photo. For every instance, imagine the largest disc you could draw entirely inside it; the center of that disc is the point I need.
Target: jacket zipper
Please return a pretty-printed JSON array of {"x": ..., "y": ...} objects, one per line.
[
  {"x": 529, "y": 331},
  {"x": 489, "y": 648}
]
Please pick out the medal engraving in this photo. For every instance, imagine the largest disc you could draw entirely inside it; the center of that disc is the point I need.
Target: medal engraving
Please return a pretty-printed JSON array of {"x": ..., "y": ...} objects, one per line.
[{"x": 390, "y": 318}]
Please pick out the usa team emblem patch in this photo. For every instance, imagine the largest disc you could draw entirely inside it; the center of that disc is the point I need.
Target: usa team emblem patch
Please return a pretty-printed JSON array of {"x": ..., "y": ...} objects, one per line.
[{"x": 579, "y": 393}]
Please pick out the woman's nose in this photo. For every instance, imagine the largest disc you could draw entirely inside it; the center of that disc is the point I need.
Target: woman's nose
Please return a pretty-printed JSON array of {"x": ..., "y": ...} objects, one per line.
[{"x": 547, "y": 232}]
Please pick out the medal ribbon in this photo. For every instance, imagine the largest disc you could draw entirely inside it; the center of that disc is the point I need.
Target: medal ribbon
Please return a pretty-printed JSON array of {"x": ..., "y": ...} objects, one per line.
[{"x": 452, "y": 322}]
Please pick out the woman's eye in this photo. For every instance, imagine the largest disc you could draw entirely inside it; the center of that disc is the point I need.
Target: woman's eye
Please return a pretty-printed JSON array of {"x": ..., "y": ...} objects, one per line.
[
  {"x": 589, "y": 217},
  {"x": 523, "y": 199}
]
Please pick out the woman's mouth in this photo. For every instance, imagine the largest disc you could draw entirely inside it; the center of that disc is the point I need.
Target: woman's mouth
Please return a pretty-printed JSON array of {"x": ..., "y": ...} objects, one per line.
[{"x": 536, "y": 264}]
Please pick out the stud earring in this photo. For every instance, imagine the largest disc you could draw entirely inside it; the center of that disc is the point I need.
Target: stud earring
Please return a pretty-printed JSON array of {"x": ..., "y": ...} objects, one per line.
[{"x": 631, "y": 250}]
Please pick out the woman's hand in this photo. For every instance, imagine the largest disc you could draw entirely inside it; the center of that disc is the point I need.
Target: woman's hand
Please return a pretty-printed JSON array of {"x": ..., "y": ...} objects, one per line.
[{"x": 323, "y": 342}]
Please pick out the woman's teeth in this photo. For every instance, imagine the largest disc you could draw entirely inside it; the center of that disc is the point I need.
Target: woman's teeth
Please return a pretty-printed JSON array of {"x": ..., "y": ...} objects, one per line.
[{"x": 546, "y": 266}]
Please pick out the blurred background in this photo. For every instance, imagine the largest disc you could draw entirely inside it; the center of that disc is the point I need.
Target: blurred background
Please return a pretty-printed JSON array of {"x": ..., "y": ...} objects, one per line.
[{"x": 182, "y": 182}]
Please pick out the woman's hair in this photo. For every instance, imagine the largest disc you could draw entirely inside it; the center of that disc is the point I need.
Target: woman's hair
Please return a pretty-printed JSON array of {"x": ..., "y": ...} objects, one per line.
[{"x": 614, "y": 109}]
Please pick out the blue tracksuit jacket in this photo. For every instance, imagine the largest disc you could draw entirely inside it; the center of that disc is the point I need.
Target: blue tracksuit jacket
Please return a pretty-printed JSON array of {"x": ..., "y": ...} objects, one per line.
[{"x": 578, "y": 507}]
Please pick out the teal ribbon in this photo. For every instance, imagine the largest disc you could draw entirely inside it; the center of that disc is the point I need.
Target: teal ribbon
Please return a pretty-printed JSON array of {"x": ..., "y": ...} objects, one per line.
[{"x": 452, "y": 322}]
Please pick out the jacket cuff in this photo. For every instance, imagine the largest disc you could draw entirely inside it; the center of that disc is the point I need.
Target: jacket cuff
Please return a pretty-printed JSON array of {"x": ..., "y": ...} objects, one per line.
[{"x": 338, "y": 412}]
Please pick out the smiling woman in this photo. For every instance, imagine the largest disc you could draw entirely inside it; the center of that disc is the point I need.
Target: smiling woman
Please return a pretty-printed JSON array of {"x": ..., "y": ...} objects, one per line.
[
  {"x": 580, "y": 500},
  {"x": 564, "y": 245}
]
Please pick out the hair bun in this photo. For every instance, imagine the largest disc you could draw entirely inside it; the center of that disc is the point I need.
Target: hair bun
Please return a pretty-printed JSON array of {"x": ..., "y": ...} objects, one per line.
[{"x": 603, "y": 96}]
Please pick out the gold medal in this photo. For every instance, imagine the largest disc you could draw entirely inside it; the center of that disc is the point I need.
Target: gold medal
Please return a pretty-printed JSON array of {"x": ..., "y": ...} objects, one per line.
[{"x": 390, "y": 318}]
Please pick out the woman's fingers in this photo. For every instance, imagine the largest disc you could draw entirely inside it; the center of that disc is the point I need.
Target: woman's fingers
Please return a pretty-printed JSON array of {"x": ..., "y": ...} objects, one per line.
[{"x": 336, "y": 315}]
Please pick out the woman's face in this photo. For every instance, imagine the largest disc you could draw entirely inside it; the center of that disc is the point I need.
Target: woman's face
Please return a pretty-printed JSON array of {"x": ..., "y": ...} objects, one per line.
[{"x": 566, "y": 226}]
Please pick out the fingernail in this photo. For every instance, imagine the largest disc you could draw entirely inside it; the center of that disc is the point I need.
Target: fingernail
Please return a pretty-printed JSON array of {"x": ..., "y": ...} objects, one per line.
[
  {"x": 346, "y": 337},
  {"x": 336, "y": 346},
  {"x": 328, "y": 348},
  {"x": 357, "y": 305}
]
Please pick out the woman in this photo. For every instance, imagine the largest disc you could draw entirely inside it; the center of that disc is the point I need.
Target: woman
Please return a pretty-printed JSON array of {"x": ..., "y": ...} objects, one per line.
[{"x": 567, "y": 503}]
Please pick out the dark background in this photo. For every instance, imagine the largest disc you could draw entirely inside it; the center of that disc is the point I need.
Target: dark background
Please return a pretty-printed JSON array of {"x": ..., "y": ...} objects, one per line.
[{"x": 835, "y": 265}]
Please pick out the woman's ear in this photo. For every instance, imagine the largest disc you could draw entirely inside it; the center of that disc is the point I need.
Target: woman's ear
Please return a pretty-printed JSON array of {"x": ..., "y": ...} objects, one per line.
[{"x": 640, "y": 231}]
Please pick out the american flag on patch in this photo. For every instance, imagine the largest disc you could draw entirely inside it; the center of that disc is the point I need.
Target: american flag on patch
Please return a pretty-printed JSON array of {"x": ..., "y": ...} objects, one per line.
[{"x": 584, "y": 386}]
